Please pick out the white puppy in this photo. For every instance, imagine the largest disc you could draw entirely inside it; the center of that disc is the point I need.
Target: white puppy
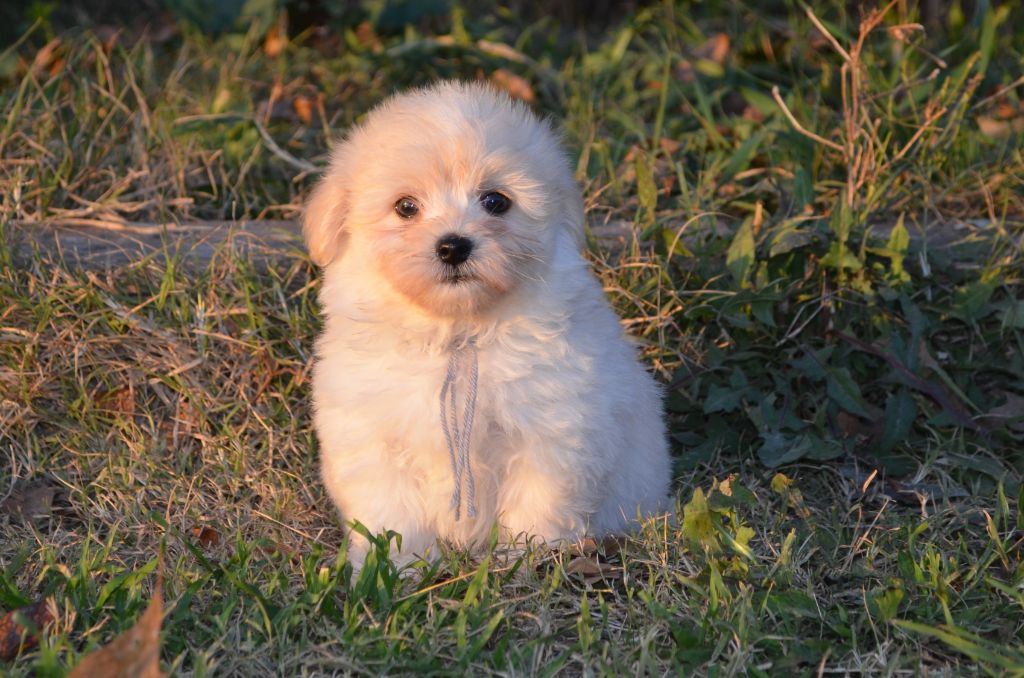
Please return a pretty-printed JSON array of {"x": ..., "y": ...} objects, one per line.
[{"x": 470, "y": 369}]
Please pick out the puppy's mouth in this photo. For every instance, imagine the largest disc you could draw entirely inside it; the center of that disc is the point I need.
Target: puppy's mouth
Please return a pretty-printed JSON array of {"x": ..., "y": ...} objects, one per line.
[
  {"x": 457, "y": 275},
  {"x": 457, "y": 278}
]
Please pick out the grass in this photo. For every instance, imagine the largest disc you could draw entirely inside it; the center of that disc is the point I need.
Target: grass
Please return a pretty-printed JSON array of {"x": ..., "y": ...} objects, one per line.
[{"x": 837, "y": 319}]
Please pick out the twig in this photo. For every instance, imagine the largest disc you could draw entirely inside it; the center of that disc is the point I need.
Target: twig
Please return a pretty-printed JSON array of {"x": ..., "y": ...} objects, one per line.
[
  {"x": 824, "y": 31},
  {"x": 800, "y": 128},
  {"x": 930, "y": 389},
  {"x": 280, "y": 152},
  {"x": 1001, "y": 91},
  {"x": 917, "y": 135}
]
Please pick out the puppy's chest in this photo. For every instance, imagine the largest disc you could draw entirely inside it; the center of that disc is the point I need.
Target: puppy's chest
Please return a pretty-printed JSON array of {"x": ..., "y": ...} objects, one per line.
[{"x": 503, "y": 402}]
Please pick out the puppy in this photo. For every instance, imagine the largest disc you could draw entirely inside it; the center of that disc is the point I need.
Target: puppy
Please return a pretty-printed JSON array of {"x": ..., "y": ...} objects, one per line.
[{"x": 470, "y": 370}]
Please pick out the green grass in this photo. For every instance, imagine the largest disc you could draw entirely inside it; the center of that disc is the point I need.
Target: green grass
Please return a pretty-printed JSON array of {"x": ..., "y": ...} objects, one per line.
[{"x": 846, "y": 312}]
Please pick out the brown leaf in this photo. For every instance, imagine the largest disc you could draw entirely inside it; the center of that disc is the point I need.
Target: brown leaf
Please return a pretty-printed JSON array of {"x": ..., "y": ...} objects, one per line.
[
  {"x": 585, "y": 547},
  {"x": 608, "y": 547},
  {"x": 716, "y": 48},
  {"x": 303, "y": 108},
  {"x": 1009, "y": 415},
  {"x": 516, "y": 86},
  {"x": 903, "y": 32},
  {"x": 117, "y": 401},
  {"x": 612, "y": 545},
  {"x": 185, "y": 422},
  {"x": 852, "y": 426},
  {"x": 14, "y": 637},
  {"x": 206, "y": 536},
  {"x": 592, "y": 570},
  {"x": 670, "y": 146},
  {"x": 1000, "y": 129},
  {"x": 275, "y": 41},
  {"x": 366, "y": 36},
  {"x": 31, "y": 500},
  {"x": 108, "y": 35},
  {"x": 133, "y": 654},
  {"x": 46, "y": 56}
]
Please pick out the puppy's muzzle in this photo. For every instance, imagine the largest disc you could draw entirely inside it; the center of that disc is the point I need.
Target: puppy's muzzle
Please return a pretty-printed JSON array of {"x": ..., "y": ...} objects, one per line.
[{"x": 454, "y": 249}]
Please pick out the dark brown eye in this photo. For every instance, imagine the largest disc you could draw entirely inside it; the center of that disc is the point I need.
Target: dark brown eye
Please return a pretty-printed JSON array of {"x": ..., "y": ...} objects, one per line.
[
  {"x": 495, "y": 203},
  {"x": 406, "y": 207}
]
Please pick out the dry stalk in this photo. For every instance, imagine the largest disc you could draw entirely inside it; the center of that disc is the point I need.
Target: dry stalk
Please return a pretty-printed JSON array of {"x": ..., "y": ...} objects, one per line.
[{"x": 860, "y": 144}]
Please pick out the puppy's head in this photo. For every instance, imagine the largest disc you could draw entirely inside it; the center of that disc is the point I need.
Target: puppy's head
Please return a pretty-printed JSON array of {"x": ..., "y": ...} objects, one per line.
[{"x": 454, "y": 194}]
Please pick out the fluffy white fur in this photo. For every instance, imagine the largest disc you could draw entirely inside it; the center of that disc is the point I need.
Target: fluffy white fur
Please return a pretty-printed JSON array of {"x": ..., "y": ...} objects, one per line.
[{"x": 568, "y": 437}]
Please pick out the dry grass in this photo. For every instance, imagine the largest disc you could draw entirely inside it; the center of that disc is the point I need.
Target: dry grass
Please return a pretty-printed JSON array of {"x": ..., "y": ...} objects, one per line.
[{"x": 161, "y": 406}]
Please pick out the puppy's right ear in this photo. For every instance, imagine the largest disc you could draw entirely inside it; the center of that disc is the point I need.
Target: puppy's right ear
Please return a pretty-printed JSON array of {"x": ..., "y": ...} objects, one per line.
[{"x": 323, "y": 223}]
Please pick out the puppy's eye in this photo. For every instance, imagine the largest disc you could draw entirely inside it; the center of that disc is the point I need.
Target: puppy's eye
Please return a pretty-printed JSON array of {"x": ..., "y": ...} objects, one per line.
[
  {"x": 406, "y": 207},
  {"x": 495, "y": 203}
]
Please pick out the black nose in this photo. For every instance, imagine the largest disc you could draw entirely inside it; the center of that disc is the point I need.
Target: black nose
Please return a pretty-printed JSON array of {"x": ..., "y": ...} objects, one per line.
[{"x": 454, "y": 249}]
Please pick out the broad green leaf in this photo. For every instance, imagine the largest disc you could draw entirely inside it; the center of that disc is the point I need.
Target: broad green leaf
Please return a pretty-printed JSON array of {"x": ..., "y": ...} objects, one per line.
[
  {"x": 973, "y": 646},
  {"x": 1013, "y": 314},
  {"x": 621, "y": 43},
  {"x": 970, "y": 301},
  {"x": 841, "y": 258},
  {"x": 698, "y": 525},
  {"x": 900, "y": 413},
  {"x": 709, "y": 68},
  {"x": 764, "y": 311},
  {"x": 814, "y": 364},
  {"x": 887, "y": 603},
  {"x": 845, "y": 391},
  {"x": 647, "y": 191},
  {"x": 740, "y": 160},
  {"x": 781, "y": 483},
  {"x": 788, "y": 236},
  {"x": 779, "y": 448},
  {"x": 899, "y": 239},
  {"x": 740, "y": 258},
  {"x": 761, "y": 102},
  {"x": 721, "y": 399},
  {"x": 729, "y": 496},
  {"x": 823, "y": 449},
  {"x": 803, "y": 188}
]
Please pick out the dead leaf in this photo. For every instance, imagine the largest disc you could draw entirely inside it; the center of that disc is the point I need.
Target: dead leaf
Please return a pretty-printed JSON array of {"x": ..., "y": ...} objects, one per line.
[
  {"x": 593, "y": 570},
  {"x": 117, "y": 401},
  {"x": 46, "y": 56},
  {"x": 612, "y": 545},
  {"x": 1009, "y": 415},
  {"x": 669, "y": 146},
  {"x": 275, "y": 41},
  {"x": 206, "y": 536},
  {"x": 715, "y": 48},
  {"x": 1000, "y": 129},
  {"x": 585, "y": 547},
  {"x": 516, "y": 86},
  {"x": 303, "y": 108},
  {"x": 903, "y": 31},
  {"x": 185, "y": 422},
  {"x": 852, "y": 426},
  {"x": 683, "y": 71},
  {"x": 608, "y": 547},
  {"x": 367, "y": 37},
  {"x": 108, "y": 35},
  {"x": 133, "y": 654},
  {"x": 31, "y": 500},
  {"x": 16, "y": 636}
]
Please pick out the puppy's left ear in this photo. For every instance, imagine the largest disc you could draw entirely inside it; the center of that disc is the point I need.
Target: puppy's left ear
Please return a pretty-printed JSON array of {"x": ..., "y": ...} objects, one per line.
[{"x": 323, "y": 223}]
